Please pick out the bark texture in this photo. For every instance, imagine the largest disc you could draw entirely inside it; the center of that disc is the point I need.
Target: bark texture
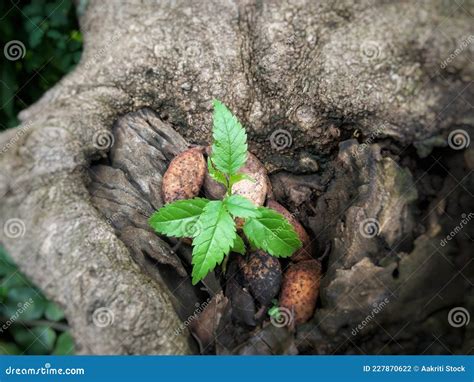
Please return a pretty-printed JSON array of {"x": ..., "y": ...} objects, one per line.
[{"x": 83, "y": 171}]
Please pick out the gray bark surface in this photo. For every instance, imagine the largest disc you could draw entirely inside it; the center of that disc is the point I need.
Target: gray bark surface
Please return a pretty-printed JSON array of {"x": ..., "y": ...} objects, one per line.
[{"x": 325, "y": 72}]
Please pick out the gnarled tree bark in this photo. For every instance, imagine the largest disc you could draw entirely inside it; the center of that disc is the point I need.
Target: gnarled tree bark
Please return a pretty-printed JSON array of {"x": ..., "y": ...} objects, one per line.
[{"x": 322, "y": 73}]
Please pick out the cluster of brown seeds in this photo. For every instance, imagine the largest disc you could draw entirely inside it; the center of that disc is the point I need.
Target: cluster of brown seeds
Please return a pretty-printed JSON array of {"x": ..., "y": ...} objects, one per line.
[{"x": 187, "y": 176}]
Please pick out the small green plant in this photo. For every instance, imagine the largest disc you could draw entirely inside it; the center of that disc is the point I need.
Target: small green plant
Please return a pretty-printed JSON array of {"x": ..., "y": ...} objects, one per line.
[
  {"x": 274, "y": 311},
  {"x": 29, "y": 323},
  {"x": 212, "y": 223}
]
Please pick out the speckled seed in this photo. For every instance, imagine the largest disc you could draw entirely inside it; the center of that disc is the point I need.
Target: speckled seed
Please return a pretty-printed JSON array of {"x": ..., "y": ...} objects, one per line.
[
  {"x": 255, "y": 191},
  {"x": 300, "y": 289},
  {"x": 263, "y": 273},
  {"x": 305, "y": 252},
  {"x": 184, "y": 177},
  {"x": 212, "y": 189}
]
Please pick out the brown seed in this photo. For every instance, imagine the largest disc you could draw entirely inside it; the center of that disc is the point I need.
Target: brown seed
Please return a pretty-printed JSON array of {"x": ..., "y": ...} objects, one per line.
[
  {"x": 212, "y": 189},
  {"x": 184, "y": 177},
  {"x": 300, "y": 289},
  {"x": 263, "y": 273},
  {"x": 304, "y": 253},
  {"x": 255, "y": 190}
]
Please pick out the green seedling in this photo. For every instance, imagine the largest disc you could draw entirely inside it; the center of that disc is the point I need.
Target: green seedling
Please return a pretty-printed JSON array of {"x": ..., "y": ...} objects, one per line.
[
  {"x": 211, "y": 224},
  {"x": 274, "y": 311}
]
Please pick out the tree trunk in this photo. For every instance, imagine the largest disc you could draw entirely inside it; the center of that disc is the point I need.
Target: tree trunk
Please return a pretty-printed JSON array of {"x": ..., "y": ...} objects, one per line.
[{"x": 352, "y": 102}]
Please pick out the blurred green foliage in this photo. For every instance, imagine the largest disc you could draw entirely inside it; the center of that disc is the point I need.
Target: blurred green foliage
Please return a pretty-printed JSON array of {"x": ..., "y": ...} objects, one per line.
[
  {"x": 29, "y": 323},
  {"x": 53, "y": 45}
]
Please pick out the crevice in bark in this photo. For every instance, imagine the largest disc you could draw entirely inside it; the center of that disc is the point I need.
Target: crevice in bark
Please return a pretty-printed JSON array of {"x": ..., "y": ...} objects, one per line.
[
  {"x": 324, "y": 89},
  {"x": 373, "y": 177}
]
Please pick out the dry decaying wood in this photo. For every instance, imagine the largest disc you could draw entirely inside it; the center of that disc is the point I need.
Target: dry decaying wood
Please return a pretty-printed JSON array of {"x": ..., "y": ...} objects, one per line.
[{"x": 344, "y": 103}]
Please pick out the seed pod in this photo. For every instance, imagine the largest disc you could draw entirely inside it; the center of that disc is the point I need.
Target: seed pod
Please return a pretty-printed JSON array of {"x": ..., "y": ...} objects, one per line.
[
  {"x": 184, "y": 177},
  {"x": 263, "y": 273},
  {"x": 212, "y": 189},
  {"x": 304, "y": 253},
  {"x": 300, "y": 289},
  {"x": 257, "y": 189}
]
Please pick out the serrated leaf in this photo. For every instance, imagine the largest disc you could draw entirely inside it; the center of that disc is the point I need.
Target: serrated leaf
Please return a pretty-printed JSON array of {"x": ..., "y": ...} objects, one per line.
[
  {"x": 178, "y": 218},
  {"x": 272, "y": 233},
  {"x": 238, "y": 246},
  {"x": 229, "y": 149},
  {"x": 216, "y": 174},
  {"x": 241, "y": 207},
  {"x": 214, "y": 241}
]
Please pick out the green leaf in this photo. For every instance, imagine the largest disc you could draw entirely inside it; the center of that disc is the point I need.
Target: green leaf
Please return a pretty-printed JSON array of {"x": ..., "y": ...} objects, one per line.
[
  {"x": 53, "y": 312},
  {"x": 241, "y": 207},
  {"x": 4, "y": 257},
  {"x": 9, "y": 348},
  {"x": 216, "y": 174},
  {"x": 38, "y": 340},
  {"x": 274, "y": 311},
  {"x": 214, "y": 241},
  {"x": 35, "y": 38},
  {"x": 7, "y": 268},
  {"x": 272, "y": 233},
  {"x": 179, "y": 218},
  {"x": 54, "y": 34},
  {"x": 14, "y": 280},
  {"x": 229, "y": 149},
  {"x": 240, "y": 176},
  {"x": 64, "y": 345},
  {"x": 24, "y": 303},
  {"x": 238, "y": 246}
]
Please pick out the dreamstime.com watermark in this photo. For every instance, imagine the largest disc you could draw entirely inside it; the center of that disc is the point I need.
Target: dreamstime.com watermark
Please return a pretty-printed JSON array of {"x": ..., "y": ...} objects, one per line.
[
  {"x": 368, "y": 141},
  {"x": 378, "y": 307},
  {"x": 281, "y": 139},
  {"x": 21, "y": 308},
  {"x": 465, "y": 42},
  {"x": 281, "y": 317},
  {"x": 14, "y": 228},
  {"x": 13, "y": 141},
  {"x": 464, "y": 221},
  {"x": 103, "y": 317},
  {"x": 14, "y": 50},
  {"x": 369, "y": 228},
  {"x": 459, "y": 139},
  {"x": 199, "y": 309},
  {"x": 103, "y": 140},
  {"x": 458, "y": 317},
  {"x": 45, "y": 370},
  {"x": 100, "y": 53}
]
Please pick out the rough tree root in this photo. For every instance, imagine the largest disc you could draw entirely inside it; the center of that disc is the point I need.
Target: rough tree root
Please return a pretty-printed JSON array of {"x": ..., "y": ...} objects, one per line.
[{"x": 313, "y": 75}]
